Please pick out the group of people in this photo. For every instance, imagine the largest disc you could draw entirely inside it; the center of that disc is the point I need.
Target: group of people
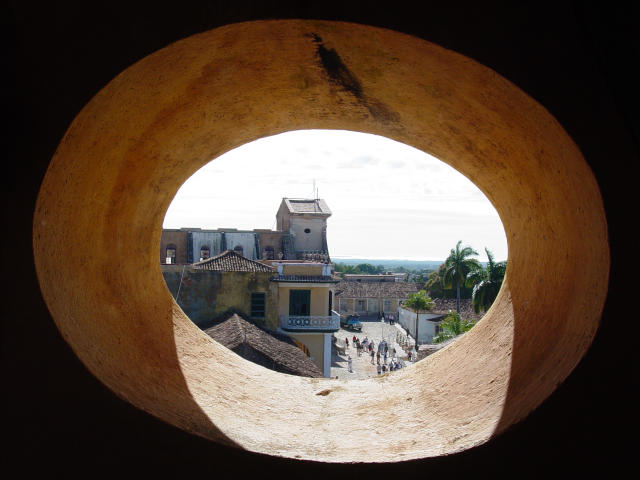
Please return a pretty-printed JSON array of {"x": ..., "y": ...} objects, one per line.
[
  {"x": 393, "y": 365},
  {"x": 389, "y": 317},
  {"x": 382, "y": 356}
]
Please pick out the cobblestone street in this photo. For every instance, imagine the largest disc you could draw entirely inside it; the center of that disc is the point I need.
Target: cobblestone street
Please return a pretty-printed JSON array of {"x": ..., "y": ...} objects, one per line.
[{"x": 362, "y": 367}]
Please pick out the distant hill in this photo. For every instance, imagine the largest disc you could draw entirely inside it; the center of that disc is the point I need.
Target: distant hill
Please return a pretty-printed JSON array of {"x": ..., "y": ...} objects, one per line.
[{"x": 391, "y": 263}]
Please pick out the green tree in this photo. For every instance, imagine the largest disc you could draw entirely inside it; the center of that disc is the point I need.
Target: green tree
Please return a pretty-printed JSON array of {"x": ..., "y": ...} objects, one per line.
[
  {"x": 343, "y": 267},
  {"x": 366, "y": 268},
  {"x": 486, "y": 283},
  {"x": 435, "y": 286},
  {"x": 452, "y": 326},
  {"x": 457, "y": 266},
  {"x": 434, "y": 283},
  {"x": 419, "y": 302},
  {"x": 418, "y": 278}
]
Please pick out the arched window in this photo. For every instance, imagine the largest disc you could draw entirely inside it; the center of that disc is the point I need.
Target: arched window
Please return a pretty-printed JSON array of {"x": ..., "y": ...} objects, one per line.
[
  {"x": 239, "y": 249},
  {"x": 268, "y": 253},
  {"x": 204, "y": 252},
  {"x": 170, "y": 254}
]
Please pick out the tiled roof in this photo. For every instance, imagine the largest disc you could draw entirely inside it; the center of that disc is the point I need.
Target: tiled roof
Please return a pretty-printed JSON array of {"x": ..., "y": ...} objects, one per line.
[
  {"x": 305, "y": 278},
  {"x": 350, "y": 289},
  {"x": 443, "y": 305},
  {"x": 231, "y": 261},
  {"x": 270, "y": 349},
  {"x": 307, "y": 206}
]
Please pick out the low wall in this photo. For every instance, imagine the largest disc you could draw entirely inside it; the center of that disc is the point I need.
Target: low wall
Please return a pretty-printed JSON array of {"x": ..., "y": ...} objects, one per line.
[{"x": 426, "y": 327}]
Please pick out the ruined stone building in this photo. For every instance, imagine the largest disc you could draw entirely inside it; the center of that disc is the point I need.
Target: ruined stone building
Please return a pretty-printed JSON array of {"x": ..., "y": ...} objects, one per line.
[{"x": 301, "y": 233}]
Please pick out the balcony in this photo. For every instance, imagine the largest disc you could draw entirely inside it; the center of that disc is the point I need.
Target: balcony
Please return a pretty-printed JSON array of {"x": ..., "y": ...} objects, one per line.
[{"x": 310, "y": 323}]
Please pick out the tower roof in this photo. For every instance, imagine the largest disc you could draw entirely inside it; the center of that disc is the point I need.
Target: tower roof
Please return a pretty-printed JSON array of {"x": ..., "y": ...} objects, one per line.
[{"x": 306, "y": 206}]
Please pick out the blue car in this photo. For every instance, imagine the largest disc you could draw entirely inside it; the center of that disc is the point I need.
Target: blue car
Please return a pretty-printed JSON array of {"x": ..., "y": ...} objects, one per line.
[{"x": 351, "y": 322}]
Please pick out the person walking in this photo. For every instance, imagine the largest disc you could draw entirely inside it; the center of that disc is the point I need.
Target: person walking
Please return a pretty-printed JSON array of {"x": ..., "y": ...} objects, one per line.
[
  {"x": 371, "y": 353},
  {"x": 346, "y": 341},
  {"x": 378, "y": 357}
]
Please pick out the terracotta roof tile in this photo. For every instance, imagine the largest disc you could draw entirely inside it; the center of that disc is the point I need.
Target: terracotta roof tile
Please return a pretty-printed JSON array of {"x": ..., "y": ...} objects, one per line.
[
  {"x": 443, "y": 305},
  {"x": 270, "y": 349},
  {"x": 231, "y": 261}
]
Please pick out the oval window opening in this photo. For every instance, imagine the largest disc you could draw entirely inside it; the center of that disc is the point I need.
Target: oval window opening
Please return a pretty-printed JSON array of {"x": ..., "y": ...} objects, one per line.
[
  {"x": 349, "y": 254},
  {"x": 160, "y": 110}
]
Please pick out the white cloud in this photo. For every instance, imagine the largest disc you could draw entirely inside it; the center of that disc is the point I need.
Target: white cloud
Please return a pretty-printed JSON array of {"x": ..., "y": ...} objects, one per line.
[{"x": 388, "y": 199}]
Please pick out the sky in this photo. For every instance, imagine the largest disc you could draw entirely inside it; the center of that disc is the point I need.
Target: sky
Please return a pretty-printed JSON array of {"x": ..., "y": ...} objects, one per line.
[{"x": 388, "y": 200}]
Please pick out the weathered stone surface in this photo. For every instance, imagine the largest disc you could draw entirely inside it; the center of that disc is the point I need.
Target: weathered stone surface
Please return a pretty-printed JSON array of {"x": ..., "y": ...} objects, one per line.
[{"x": 128, "y": 151}]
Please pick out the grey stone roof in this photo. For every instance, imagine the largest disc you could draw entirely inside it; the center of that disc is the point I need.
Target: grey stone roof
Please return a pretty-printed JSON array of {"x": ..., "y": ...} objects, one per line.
[
  {"x": 306, "y": 206},
  {"x": 305, "y": 278},
  {"x": 270, "y": 349},
  {"x": 350, "y": 289},
  {"x": 231, "y": 261}
]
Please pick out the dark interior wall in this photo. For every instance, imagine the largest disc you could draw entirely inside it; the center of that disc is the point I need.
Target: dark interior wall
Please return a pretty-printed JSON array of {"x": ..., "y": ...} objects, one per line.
[
  {"x": 575, "y": 60},
  {"x": 179, "y": 240}
]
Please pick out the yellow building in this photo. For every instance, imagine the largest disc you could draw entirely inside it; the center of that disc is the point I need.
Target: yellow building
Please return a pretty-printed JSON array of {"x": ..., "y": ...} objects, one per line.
[{"x": 305, "y": 304}]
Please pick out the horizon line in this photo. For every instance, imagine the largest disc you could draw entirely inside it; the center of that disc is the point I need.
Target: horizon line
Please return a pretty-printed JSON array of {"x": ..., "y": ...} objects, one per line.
[{"x": 412, "y": 259}]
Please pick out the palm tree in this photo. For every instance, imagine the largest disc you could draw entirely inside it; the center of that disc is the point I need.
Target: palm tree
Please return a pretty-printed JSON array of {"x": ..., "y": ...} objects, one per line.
[
  {"x": 486, "y": 283},
  {"x": 452, "y": 326},
  {"x": 457, "y": 266},
  {"x": 419, "y": 302}
]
